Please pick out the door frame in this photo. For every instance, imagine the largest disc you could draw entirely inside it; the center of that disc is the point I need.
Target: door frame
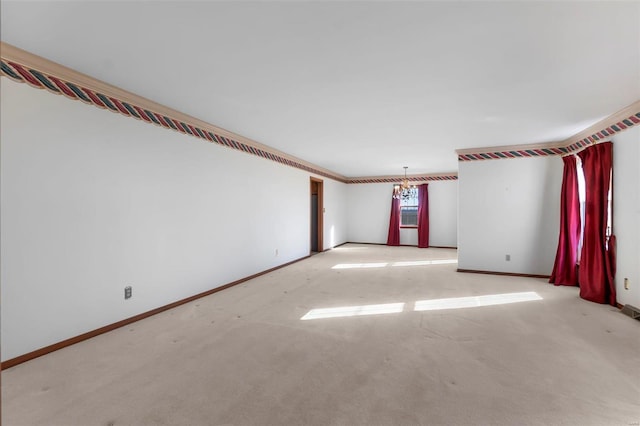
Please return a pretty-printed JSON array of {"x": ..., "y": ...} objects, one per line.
[{"x": 320, "y": 186}]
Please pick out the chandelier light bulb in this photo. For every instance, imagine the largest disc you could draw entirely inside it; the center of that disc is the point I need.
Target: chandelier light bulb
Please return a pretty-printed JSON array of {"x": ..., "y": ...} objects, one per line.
[{"x": 403, "y": 190}]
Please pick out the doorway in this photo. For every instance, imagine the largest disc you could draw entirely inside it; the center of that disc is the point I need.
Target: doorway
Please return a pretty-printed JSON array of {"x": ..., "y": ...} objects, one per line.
[{"x": 317, "y": 210}]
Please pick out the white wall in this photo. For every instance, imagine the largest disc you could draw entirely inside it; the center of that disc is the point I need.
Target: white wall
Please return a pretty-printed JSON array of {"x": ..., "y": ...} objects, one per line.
[
  {"x": 368, "y": 215},
  {"x": 408, "y": 236},
  {"x": 443, "y": 214},
  {"x": 370, "y": 205},
  {"x": 626, "y": 214},
  {"x": 509, "y": 207},
  {"x": 335, "y": 216},
  {"x": 93, "y": 201}
]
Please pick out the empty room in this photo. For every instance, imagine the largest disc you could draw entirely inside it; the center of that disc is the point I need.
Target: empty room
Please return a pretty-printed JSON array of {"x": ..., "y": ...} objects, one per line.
[{"x": 319, "y": 213}]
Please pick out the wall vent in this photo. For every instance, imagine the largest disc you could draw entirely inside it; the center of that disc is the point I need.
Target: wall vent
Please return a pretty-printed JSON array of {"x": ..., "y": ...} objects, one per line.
[{"x": 631, "y": 311}]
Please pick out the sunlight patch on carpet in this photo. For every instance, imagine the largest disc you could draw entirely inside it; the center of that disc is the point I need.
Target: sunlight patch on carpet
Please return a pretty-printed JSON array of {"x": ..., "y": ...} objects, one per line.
[
  {"x": 426, "y": 262},
  {"x": 340, "y": 248},
  {"x": 359, "y": 265},
  {"x": 354, "y": 311},
  {"x": 384, "y": 264},
  {"x": 475, "y": 301}
]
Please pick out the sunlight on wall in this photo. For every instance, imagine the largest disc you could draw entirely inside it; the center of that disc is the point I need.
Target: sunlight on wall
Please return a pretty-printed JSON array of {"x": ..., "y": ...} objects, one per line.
[
  {"x": 333, "y": 236},
  {"x": 353, "y": 311},
  {"x": 475, "y": 301}
]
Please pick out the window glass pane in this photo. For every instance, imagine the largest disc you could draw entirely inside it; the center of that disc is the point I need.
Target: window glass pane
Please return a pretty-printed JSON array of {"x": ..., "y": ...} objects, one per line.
[
  {"x": 409, "y": 216},
  {"x": 609, "y": 208},
  {"x": 582, "y": 196},
  {"x": 411, "y": 199}
]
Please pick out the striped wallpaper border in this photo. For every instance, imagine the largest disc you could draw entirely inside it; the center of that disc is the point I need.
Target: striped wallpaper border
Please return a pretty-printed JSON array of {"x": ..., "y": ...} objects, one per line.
[
  {"x": 397, "y": 179},
  {"x": 15, "y": 65},
  {"x": 24, "y": 67},
  {"x": 599, "y": 132},
  {"x": 497, "y": 155},
  {"x": 605, "y": 133}
]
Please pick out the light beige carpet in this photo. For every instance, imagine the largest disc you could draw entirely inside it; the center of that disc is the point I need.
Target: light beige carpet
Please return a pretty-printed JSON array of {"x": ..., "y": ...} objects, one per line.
[{"x": 244, "y": 356}]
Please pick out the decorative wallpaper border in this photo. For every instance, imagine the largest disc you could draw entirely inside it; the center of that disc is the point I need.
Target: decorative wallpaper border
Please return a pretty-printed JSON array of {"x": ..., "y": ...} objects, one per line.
[
  {"x": 397, "y": 179},
  {"x": 23, "y": 67},
  {"x": 496, "y": 155},
  {"x": 605, "y": 133},
  {"x": 604, "y": 129}
]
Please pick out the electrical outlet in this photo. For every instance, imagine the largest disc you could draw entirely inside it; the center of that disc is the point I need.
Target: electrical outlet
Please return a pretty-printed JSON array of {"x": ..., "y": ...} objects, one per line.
[
  {"x": 128, "y": 292},
  {"x": 507, "y": 257},
  {"x": 276, "y": 252},
  {"x": 626, "y": 283}
]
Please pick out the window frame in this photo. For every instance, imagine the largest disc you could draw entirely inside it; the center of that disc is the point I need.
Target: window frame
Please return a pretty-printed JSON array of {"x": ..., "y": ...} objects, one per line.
[{"x": 413, "y": 206}]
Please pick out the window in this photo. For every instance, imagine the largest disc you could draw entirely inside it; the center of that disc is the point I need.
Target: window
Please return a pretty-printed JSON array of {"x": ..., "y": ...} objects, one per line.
[
  {"x": 582, "y": 196},
  {"x": 409, "y": 209}
]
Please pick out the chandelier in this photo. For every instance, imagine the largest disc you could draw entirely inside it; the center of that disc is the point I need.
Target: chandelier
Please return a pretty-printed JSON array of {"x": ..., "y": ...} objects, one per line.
[{"x": 403, "y": 190}]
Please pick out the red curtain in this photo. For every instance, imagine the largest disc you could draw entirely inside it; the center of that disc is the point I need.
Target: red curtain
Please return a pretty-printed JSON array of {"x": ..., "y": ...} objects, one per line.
[
  {"x": 423, "y": 216},
  {"x": 597, "y": 259},
  {"x": 394, "y": 222},
  {"x": 565, "y": 270}
]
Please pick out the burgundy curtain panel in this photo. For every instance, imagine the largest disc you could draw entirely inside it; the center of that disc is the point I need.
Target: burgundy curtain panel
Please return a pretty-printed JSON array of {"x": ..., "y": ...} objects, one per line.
[
  {"x": 423, "y": 215},
  {"x": 394, "y": 223},
  {"x": 565, "y": 268},
  {"x": 597, "y": 262}
]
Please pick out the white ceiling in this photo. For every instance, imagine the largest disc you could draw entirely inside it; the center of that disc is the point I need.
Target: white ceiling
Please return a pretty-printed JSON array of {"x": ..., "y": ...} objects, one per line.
[{"x": 360, "y": 88}]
